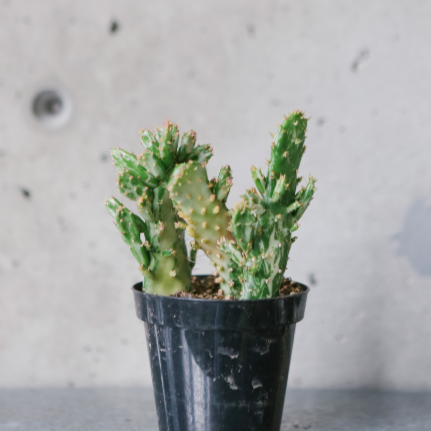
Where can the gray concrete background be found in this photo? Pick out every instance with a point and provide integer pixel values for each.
(229, 70)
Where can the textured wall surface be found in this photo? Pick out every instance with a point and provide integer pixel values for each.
(229, 70)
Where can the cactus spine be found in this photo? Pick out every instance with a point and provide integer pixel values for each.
(161, 254)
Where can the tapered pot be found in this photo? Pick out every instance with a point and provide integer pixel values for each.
(219, 365)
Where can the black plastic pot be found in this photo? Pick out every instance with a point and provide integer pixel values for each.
(219, 365)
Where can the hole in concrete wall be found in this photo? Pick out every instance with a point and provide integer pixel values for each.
(114, 26)
(26, 193)
(360, 60)
(51, 107)
(312, 279)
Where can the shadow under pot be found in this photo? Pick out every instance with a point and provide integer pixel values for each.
(219, 365)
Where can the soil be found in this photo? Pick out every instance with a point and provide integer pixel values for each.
(207, 288)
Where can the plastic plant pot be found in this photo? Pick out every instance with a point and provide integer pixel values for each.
(219, 365)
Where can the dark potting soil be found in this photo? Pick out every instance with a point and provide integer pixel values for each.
(207, 288)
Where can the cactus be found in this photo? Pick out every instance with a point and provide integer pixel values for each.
(162, 254)
(249, 245)
(201, 204)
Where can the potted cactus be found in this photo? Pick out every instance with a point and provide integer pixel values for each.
(219, 345)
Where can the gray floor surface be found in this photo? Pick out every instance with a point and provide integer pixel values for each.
(133, 409)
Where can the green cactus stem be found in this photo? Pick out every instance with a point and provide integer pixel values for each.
(201, 204)
(155, 238)
(262, 224)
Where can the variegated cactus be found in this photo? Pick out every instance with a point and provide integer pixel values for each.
(249, 245)
(156, 238)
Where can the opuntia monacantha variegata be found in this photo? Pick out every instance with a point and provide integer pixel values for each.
(247, 245)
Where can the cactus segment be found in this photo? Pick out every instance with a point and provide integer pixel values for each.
(253, 202)
(130, 186)
(231, 250)
(243, 225)
(280, 187)
(206, 216)
(304, 197)
(167, 138)
(127, 162)
(223, 184)
(152, 164)
(148, 140)
(145, 207)
(130, 227)
(286, 154)
(262, 226)
(188, 142)
(259, 179)
(201, 154)
(168, 249)
(111, 206)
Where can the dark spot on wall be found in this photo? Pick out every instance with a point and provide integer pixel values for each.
(61, 223)
(320, 121)
(275, 102)
(414, 239)
(114, 27)
(341, 129)
(26, 193)
(15, 263)
(360, 60)
(251, 30)
(312, 279)
(104, 157)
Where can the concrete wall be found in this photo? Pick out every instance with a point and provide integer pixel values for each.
(229, 70)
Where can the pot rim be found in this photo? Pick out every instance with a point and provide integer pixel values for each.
(305, 290)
